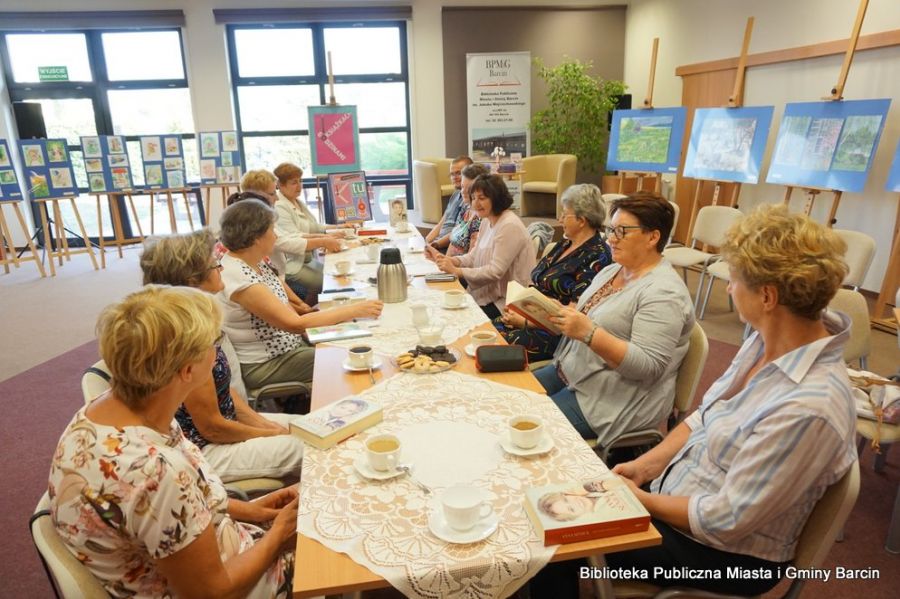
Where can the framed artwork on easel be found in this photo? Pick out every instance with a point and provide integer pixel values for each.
(9, 183)
(333, 139)
(348, 198)
(646, 140)
(727, 144)
(107, 164)
(48, 168)
(220, 157)
(893, 180)
(163, 157)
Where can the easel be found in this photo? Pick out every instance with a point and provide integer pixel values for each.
(60, 249)
(648, 103)
(836, 95)
(6, 240)
(115, 218)
(320, 204)
(889, 286)
(170, 202)
(206, 196)
(735, 101)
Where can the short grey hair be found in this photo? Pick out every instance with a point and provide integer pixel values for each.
(473, 171)
(585, 201)
(244, 222)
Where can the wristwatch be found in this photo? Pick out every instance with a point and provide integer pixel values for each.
(590, 336)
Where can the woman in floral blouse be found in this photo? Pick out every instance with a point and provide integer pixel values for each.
(132, 498)
(465, 232)
(566, 271)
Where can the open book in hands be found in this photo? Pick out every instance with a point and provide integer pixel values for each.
(534, 306)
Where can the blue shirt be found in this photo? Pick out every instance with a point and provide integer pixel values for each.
(757, 461)
(452, 213)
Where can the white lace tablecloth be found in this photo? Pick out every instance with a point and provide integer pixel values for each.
(449, 425)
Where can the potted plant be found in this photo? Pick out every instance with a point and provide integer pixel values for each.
(575, 120)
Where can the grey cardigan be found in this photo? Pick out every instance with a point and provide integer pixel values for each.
(655, 316)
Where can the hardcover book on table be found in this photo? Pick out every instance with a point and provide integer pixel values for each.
(532, 305)
(583, 511)
(336, 332)
(335, 422)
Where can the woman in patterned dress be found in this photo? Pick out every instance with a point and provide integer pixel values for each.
(464, 234)
(133, 499)
(566, 271)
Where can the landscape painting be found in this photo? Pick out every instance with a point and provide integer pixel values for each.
(646, 140)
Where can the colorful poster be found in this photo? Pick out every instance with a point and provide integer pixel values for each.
(827, 145)
(334, 139)
(220, 157)
(727, 144)
(48, 169)
(498, 91)
(348, 198)
(9, 183)
(163, 158)
(647, 140)
(893, 180)
(106, 163)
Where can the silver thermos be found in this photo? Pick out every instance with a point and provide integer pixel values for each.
(391, 277)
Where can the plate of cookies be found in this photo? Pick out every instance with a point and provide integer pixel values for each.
(427, 359)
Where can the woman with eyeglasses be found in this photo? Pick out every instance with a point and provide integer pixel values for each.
(614, 370)
(566, 271)
(238, 442)
(503, 253)
(132, 498)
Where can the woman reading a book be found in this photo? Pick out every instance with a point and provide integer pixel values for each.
(237, 441)
(261, 321)
(734, 483)
(566, 271)
(614, 369)
(136, 501)
(503, 252)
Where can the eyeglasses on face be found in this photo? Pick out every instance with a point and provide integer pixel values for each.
(455, 174)
(219, 339)
(620, 231)
(216, 266)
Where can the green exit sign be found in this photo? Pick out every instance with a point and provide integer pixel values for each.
(53, 73)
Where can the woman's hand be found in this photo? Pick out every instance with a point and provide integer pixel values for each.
(512, 320)
(572, 323)
(331, 244)
(447, 264)
(284, 527)
(368, 309)
(636, 472)
(267, 507)
(431, 253)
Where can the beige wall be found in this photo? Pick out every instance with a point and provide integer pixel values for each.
(697, 30)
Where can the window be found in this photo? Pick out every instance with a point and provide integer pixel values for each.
(115, 82)
(277, 71)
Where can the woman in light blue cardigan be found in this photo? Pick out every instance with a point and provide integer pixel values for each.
(614, 371)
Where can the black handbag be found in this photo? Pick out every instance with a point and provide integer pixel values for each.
(501, 358)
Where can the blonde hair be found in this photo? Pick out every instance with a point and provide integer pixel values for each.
(546, 503)
(152, 334)
(802, 259)
(178, 259)
(259, 180)
(286, 171)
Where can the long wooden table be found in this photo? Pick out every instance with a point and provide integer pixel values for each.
(320, 571)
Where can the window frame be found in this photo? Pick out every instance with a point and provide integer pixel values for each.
(320, 79)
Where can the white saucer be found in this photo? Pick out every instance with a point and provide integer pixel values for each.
(335, 273)
(367, 261)
(376, 364)
(543, 446)
(482, 530)
(470, 350)
(462, 306)
(362, 467)
(416, 250)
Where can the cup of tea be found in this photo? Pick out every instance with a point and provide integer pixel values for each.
(373, 251)
(525, 431)
(383, 452)
(480, 338)
(454, 298)
(464, 507)
(360, 356)
(343, 267)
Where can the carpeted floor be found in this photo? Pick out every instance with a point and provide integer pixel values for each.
(46, 396)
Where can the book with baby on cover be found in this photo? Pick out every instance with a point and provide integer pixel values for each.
(336, 332)
(532, 305)
(331, 424)
(594, 509)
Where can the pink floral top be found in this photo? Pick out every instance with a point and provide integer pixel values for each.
(122, 498)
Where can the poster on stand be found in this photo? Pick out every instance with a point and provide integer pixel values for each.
(827, 145)
(334, 139)
(9, 183)
(727, 144)
(348, 198)
(498, 94)
(646, 140)
(893, 180)
(163, 157)
(106, 163)
(220, 157)
(48, 168)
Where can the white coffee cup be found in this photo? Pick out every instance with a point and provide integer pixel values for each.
(454, 298)
(480, 338)
(402, 226)
(373, 251)
(464, 507)
(360, 356)
(525, 431)
(383, 452)
(431, 334)
(342, 267)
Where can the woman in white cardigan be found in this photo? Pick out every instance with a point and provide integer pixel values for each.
(503, 252)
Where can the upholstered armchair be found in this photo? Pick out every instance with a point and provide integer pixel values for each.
(431, 185)
(544, 179)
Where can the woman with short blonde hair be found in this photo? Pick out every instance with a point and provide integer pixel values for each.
(135, 499)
